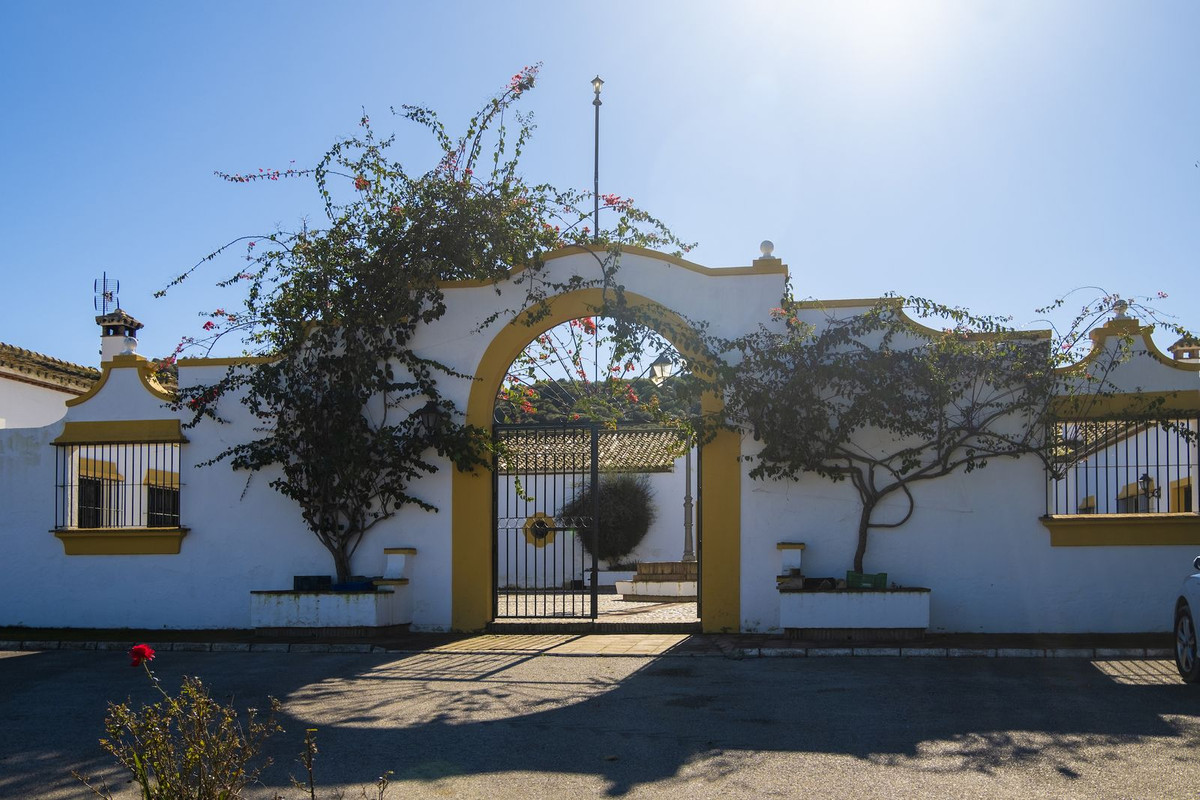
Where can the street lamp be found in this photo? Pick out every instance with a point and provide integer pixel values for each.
(660, 369)
(596, 84)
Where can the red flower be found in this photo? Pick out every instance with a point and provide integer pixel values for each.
(139, 653)
(208, 326)
(361, 183)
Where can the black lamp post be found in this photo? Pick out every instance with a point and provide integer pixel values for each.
(596, 84)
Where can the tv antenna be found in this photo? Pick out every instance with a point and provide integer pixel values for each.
(106, 289)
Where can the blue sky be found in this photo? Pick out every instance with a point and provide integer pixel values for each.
(987, 154)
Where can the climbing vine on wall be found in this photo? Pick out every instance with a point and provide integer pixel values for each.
(348, 411)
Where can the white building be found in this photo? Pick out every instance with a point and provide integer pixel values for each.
(141, 535)
(35, 388)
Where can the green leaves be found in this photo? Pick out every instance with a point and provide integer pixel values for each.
(335, 308)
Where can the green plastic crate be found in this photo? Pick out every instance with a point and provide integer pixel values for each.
(866, 580)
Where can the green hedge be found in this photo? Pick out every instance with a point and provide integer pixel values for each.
(626, 513)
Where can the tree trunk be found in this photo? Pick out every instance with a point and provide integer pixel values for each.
(341, 564)
(864, 526)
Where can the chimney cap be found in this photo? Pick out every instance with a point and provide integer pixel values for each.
(119, 318)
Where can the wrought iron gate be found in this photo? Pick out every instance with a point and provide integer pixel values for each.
(541, 566)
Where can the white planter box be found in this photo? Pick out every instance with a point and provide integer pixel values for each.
(855, 608)
(680, 589)
(388, 606)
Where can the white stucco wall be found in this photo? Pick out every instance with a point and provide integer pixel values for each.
(24, 405)
(975, 540)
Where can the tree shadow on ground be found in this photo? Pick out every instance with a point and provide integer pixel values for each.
(614, 725)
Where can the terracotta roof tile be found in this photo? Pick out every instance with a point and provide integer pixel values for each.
(43, 370)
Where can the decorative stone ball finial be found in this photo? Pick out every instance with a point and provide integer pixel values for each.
(767, 248)
(1120, 307)
(130, 346)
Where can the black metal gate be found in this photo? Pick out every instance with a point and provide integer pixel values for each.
(541, 566)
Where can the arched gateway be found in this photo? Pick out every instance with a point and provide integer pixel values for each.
(668, 290)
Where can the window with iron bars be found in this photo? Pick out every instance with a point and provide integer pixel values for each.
(117, 485)
(1124, 467)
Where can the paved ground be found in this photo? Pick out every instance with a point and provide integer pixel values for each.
(472, 718)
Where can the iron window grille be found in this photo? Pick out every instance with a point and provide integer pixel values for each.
(1124, 467)
(117, 485)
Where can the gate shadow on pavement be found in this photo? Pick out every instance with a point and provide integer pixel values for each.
(443, 721)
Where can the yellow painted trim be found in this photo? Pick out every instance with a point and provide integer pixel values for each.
(145, 374)
(235, 361)
(162, 478)
(1131, 489)
(790, 546)
(96, 468)
(123, 431)
(760, 266)
(1131, 328)
(532, 538)
(472, 581)
(1123, 530)
(1183, 402)
(897, 303)
(399, 551)
(122, 541)
(1180, 490)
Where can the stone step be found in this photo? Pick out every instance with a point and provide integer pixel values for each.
(659, 591)
(689, 569)
(666, 577)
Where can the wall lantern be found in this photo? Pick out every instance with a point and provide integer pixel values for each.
(430, 416)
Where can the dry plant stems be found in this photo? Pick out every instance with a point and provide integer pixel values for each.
(185, 746)
(336, 310)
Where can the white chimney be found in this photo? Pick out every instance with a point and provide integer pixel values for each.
(118, 334)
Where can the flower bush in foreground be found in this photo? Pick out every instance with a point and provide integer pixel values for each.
(186, 746)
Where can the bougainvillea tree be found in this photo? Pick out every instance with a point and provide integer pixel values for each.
(334, 309)
(884, 402)
(584, 370)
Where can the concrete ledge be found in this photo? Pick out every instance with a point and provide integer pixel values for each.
(390, 605)
(855, 608)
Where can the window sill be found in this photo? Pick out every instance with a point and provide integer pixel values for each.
(1134, 530)
(121, 541)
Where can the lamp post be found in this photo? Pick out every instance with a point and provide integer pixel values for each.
(660, 370)
(596, 84)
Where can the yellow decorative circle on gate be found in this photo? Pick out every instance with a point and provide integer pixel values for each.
(539, 529)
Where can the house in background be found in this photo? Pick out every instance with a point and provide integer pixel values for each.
(35, 388)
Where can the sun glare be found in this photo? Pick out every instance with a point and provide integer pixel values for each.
(877, 43)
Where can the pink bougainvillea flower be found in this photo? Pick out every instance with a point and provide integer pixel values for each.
(208, 326)
(140, 653)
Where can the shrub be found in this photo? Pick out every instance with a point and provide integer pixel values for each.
(186, 746)
(626, 512)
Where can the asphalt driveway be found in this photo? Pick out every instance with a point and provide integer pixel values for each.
(492, 725)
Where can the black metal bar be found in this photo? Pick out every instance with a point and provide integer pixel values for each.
(595, 479)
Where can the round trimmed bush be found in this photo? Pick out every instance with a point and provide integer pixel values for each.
(626, 512)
